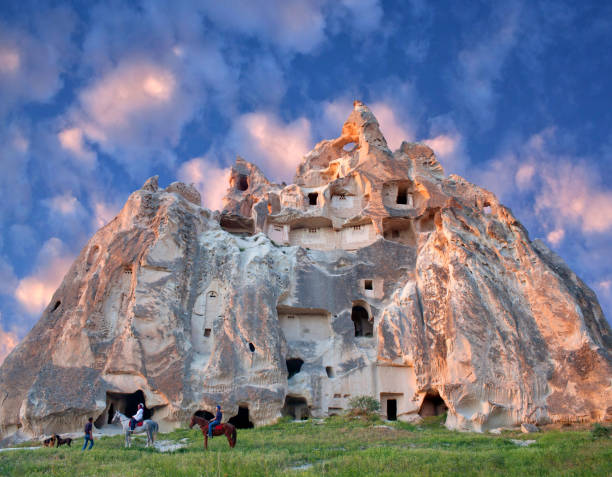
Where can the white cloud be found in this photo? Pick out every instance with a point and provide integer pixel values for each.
(479, 66)
(210, 180)
(296, 25)
(32, 62)
(555, 237)
(275, 146)
(525, 175)
(72, 140)
(128, 93)
(65, 204)
(35, 291)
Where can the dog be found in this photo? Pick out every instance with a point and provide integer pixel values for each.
(50, 442)
(60, 440)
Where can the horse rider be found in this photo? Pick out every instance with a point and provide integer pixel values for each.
(136, 418)
(215, 422)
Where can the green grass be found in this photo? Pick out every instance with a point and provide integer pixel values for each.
(335, 447)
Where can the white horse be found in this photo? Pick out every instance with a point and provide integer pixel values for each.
(149, 426)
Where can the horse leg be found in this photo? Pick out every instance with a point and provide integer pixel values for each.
(206, 441)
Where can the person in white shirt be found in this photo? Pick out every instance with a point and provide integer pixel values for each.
(136, 418)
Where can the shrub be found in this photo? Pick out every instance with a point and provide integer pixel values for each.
(599, 431)
(363, 406)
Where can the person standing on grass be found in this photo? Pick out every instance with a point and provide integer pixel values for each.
(88, 434)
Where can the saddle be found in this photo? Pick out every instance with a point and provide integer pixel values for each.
(139, 423)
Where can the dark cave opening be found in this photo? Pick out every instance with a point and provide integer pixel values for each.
(125, 403)
(294, 365)
(361, 320)
(241, 420)
(296, 407)
(433, 405)
(243, 182)
(205, 414)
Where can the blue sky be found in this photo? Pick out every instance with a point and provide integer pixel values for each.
(96, 97)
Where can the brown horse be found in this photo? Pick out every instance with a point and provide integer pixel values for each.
(226, 429)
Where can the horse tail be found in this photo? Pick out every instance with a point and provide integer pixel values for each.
(234, 436)
(155, 428)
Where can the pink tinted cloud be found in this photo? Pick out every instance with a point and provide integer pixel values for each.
(72, 140)
(8, 340)
(210, 180)
(104, 212)
(564, 192)
(393, 128)
(34, 291)
(274, 145)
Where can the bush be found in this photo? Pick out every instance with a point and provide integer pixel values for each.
(363, 406)
(599, 431)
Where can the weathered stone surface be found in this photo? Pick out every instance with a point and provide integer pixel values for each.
(527, 428)
(372, 274)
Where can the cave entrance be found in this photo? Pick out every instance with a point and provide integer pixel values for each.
(361, 320)
(296, 407)
(125, 403)
(243, 182)
(241, 420)
(392, 409)
(209, 416)
(294, 365)
(433, 405)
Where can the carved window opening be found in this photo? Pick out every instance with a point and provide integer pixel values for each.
(367, 284)
(356, 227)
(392, 409)
(252, 347)
(294, 365)
(342, 197)
(278, 228)
(363, 326)
(402, 195)
(243, 182)
(241, 420)
(56, 306)
(330, 371)
(312, 230)
(207, 332)
(212, 294)
(433, 405)
(312, 198)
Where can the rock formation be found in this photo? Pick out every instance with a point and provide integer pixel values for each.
(373, 273)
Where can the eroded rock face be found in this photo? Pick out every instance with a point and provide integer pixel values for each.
(372, 274)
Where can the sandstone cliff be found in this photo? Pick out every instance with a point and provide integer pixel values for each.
(373, 273)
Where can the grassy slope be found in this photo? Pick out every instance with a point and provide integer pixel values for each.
(337, 447)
